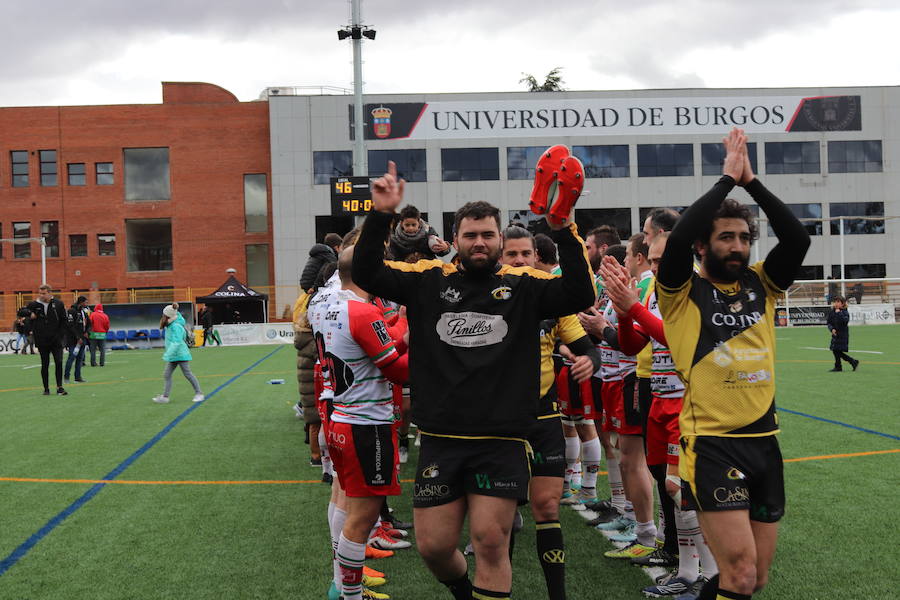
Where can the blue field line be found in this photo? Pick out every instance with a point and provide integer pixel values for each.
(7, 563)
(847, 425)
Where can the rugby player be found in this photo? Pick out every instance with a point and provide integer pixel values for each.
(720, 325)
(548, 459)
(476, 373)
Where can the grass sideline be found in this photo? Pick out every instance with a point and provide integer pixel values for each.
(269, 540)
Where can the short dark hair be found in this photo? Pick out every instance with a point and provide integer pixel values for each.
(515, 232)
(638, 245)
(617, 251)
(546, 249)
(663, 219)
(410, 212)
(731, 209)
(475, 210)
(350, 237)
(332, 240)
(605, 234)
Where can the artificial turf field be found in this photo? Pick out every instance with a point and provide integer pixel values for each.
(224, 504)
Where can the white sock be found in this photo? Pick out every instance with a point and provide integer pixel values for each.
(326, 459)
(688, 557)
(336, 525)
(661, 528)
(616, 489)
(629, 509)
(707, 561)
(646, 533)
(351, 556)
(573, 445)
(591, 454)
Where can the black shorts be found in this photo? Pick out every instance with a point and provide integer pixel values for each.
(645, 399)
(451, 467)
(548, 447)
(631, 400)
(726, 473)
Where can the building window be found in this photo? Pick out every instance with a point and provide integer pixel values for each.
(788, 158)
(337, 163)
(803, 212)
(106, 244)
(589, 218)
(257, 265)
(48, 167)
(665, 160)
(603, 161)
(148, 244)
(50, 233)
(712, 158)
(146, 174)
(22, 230)
(470, 164)
(857, 209)
(339, 224)
(521, 160)
(104, 173)
(447, 219)
(868, 271)
(19, 160)
(256, 203)
(78, 244)
(410, 163)
(77, 175)
(810, 273)
(863, 156)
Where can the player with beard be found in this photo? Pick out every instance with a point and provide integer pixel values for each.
(476, 371)
(548, 461)
(720, 327)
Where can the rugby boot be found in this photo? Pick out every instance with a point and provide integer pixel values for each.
(546, 174)
(569, 187)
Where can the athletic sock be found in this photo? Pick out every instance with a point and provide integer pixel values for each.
(667, 526)
(481, 594)
(709, 589)
(616, 489)
(351, 556)
(385, 511)
(552, 556)
(336, 525)
(726, 595)
(461, 588)
(629, 510)
(646, 533)
(688, 557)
(591, 454)
(707, 560)
(573, 445)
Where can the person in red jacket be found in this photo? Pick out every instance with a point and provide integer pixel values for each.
(99, 328)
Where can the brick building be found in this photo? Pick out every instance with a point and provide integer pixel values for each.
(136, 196)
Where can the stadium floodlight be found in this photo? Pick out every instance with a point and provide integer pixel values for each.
(369, 33)
(343, 34)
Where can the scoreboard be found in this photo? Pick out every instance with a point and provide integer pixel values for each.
(350, 196)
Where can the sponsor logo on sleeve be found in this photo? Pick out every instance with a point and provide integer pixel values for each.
(381, 331)
(471, 329)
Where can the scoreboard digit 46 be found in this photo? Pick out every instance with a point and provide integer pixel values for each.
(351, 195)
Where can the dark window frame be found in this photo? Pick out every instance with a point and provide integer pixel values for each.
(604, 161)
(51, 239)
(48, 169)
(72, 174)
(20, 175)
(404, 158)
(838, 151)
(102, 177)
(21, 249)
(135, 191)
(138, 256)
(100, 243)
(663, 165)
(83, 240)
(248, 200)
(857, 226)
(466, 159)
(777, 165)
(324, 170)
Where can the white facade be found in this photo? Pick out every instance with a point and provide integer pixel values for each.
(302, 125)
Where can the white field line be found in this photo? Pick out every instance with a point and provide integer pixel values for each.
(855, 351)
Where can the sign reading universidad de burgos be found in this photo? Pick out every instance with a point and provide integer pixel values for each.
(613, 116)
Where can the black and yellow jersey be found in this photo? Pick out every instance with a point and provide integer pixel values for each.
(722, 338)
(566, 329)
(475, 359)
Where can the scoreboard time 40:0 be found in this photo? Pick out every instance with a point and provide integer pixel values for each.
(351, 195)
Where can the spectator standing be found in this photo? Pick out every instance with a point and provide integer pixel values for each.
(413, 235)
(99, 327)
(78, 325)
(21, 335)
(838, 320)
(176, 353)
(48, 321)
(206, 321)
(319, 256)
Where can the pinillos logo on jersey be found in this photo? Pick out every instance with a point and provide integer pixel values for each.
(471, 329)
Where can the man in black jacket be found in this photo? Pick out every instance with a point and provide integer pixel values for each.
(48, 320)
(319, 256)
(76, 340)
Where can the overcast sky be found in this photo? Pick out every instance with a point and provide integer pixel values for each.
(61, 52)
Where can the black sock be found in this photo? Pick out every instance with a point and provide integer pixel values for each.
(385, 511)
(668, 508)
(552, 556)
(461, 588)
(710, 588)
(732, 595)
(480, 594)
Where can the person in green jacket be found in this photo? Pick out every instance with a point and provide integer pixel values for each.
(176, 353)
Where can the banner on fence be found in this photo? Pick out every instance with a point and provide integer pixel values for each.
(860, 314)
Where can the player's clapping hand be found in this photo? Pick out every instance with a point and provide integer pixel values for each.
(735, 154)
(620, 286)
(387, 191)
(593, 321)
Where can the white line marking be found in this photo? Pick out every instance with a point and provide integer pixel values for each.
(31, 367)
(854, 350)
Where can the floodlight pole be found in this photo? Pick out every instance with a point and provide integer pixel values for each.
(843, 283)
(360, 160)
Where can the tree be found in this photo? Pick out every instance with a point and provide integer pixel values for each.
(552, 82)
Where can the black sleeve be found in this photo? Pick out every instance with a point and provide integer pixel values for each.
(369, 271)
(677, 263)
(583, 346)
(611, 337)
(574, 291)
(784, 260)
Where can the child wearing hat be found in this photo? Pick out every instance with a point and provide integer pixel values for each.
(176, 353)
